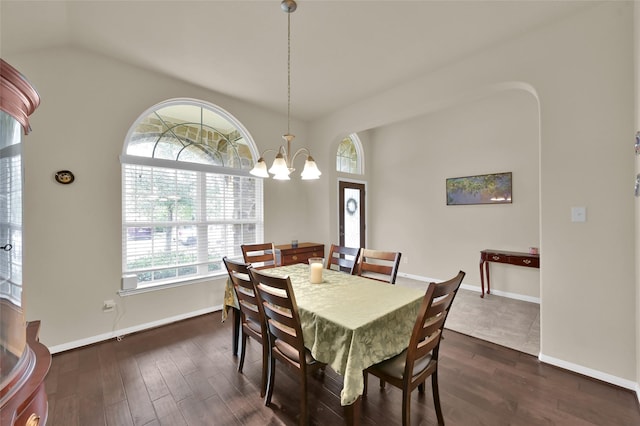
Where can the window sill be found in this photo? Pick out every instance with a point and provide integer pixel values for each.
(155, 287)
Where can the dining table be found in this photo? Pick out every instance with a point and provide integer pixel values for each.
(348, 322)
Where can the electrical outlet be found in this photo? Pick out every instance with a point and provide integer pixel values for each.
(108, 306)
(405, 260)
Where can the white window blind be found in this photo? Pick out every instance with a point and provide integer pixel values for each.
(11, 224)
(178, 224)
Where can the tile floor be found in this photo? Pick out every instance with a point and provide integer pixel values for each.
(504, 321)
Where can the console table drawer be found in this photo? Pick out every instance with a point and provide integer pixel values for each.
(525, 261)
(494, 257)
(302, 257)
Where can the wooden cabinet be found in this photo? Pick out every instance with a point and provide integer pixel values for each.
(288, 255)
(24, 361)
(500, 256)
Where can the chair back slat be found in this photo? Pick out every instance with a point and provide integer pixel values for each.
(426, 346)
(431, 325)
(379, 265)
(441, 304)
(343, 258)
(446, 287)
(277, 314)
(260, 256)
(284, 333)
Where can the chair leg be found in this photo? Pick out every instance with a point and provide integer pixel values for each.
(436, 397)
(365, 379)
(236, 331)
(265, 368)
(272, 377)
(304, 415)
(406, 406)
(243, 350)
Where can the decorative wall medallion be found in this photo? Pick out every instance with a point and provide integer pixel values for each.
(64, 177)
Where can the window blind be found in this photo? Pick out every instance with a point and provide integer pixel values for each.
(178, 224)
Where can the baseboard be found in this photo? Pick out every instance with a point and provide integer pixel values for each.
(418, 277)
(124, 331)
(585, 371)
(476, 289)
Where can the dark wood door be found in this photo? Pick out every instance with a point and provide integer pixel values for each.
(351, 205)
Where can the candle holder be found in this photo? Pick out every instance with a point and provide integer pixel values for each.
(316, 265)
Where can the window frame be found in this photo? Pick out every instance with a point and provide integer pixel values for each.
(130, 284)
(357, 144)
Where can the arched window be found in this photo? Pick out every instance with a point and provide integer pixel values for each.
(187, 196)
(349, 155)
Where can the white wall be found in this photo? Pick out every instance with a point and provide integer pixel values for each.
(73, 232)
(581, 71)
(408, 210)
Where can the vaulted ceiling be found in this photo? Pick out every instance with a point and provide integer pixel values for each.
(342, 51)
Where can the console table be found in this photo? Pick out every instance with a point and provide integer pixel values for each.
(289, 255)
(501, 256)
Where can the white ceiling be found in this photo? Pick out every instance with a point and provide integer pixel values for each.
(342, 51)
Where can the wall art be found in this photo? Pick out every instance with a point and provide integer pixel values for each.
(494, 188)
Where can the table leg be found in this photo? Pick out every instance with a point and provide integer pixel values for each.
(235, 335)
(352, 412)
(481, 276)
(488, 279)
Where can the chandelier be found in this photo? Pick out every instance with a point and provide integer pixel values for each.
(282, 165)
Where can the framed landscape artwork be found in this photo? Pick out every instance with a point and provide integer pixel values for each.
(494, 188)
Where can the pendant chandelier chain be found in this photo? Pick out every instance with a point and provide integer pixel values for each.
(288, 73)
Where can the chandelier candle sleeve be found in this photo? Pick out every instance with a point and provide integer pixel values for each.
(316, 265)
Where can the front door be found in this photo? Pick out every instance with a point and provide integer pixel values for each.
(351, 207)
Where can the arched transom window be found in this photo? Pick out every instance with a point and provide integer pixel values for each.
(187, 196)
(349, 155)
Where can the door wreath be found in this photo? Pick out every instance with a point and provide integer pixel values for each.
(352, 206)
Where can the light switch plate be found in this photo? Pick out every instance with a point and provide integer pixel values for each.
(578, 214)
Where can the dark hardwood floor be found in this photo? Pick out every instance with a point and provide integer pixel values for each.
(184, 374)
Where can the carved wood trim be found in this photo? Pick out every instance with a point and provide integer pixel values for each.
(18, 98)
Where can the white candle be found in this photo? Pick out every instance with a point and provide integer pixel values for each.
(315, 275)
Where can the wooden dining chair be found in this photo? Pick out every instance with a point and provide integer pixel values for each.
(285, 333)
(260, 256)
(379, 265)
(252, 321)
(343, 258)
(411, 368)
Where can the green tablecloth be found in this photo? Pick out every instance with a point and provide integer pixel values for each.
(350, 322)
